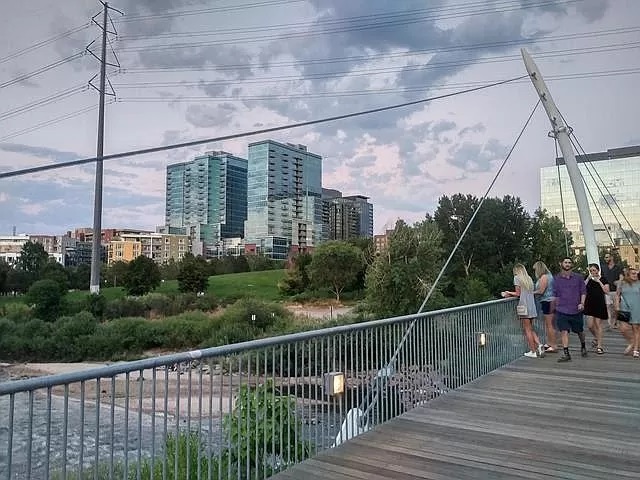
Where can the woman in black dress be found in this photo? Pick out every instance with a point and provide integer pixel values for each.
(595, 305)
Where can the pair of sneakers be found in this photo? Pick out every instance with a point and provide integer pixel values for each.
(539, 353)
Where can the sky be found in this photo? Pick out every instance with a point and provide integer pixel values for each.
(195, 69)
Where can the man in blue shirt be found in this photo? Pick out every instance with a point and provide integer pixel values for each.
(569, 294)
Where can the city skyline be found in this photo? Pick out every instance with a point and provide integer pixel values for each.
(403, 160)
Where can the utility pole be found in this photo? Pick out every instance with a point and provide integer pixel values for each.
(560, 131)
(96, 246)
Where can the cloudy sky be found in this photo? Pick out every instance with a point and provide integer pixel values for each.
(192, 69)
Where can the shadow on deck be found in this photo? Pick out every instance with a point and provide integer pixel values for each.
(534, 418)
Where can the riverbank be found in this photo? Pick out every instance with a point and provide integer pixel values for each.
(174, 393)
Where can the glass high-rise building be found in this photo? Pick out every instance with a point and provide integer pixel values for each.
(208, 195)
(346, 217)
(284, 202)
(612, 181)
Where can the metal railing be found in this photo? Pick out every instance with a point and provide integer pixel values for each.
(246, 410)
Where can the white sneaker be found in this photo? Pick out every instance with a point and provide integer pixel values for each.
(531, 355)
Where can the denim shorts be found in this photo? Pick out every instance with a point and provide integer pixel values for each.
(570, 322)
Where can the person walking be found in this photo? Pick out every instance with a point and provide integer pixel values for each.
(612, 272)
(569, 292)
(628, 310)
(544, 288)
(526, 309)
(595, 305)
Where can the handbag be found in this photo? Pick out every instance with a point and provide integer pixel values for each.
(522, 311)
(623, 315)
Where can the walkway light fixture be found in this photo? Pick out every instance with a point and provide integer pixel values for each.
(334, 383)
(482, 339)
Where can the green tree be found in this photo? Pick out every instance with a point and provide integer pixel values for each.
(400, 277)
(5, 268)
(52, 270)
(18, 281)
(547, 239)
(79, 277)
(296, 279)
(47, 298)
(142, 276)
(335, 265)
(169, 270)
(32, 261)
(113, 275)
(193, 274)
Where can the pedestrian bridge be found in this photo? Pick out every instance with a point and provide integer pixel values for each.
(440, 395)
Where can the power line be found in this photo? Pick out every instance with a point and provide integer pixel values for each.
(46, 123)
(185, 13)
(56, 97)
(46, 68)
(313, 23)
(372, 91)
(385, 70)
(193, 143)
(386, 56)
(42, 43)
(287, 36)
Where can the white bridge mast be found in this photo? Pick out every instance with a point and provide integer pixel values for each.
(561, 132)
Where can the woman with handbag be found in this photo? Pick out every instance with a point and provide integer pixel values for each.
(628, 308)
(595, 305)
(526, 309)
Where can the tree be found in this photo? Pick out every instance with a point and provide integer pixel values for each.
(79, 277)
(400, 277)
(114, 274)
(296, 279)
(193, 274)
(170, 269)
(547, 239)
(47, 298)
(52, 270)
(5, 268)
(32, 261)
(335, 265)
(142, 276)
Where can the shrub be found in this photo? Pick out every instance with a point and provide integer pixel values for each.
(46, 296)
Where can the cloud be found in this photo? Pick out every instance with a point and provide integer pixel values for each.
(206, 116)
(57, 156)
(473, 157)
(4, 197)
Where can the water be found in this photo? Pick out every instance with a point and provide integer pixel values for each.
(136, 437)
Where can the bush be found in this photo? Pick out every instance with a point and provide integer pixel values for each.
(15, 311)
(47, 298)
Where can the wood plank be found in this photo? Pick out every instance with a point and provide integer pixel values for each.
(534, 418)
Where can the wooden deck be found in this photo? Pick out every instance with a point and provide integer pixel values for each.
(535, 419)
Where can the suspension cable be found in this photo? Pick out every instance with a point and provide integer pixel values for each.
(411, 326)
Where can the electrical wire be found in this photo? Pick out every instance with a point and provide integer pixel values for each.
(388, 56)
(384, 70)
(193, 143)
(352, 21)
(564, 219)
(45, 42)
(356, 93)
(288, 36)
(202, 11)
(51, 121)
(56, 97)
(41, 70)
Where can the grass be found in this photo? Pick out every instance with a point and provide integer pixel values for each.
(261, 285)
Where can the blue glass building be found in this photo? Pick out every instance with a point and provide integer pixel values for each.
(208, 195)
(284, 202)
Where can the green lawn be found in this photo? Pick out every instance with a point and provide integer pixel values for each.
(262, 285)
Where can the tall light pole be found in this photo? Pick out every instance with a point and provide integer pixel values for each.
(561, 132)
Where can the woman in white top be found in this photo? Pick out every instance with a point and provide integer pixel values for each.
(526, 309)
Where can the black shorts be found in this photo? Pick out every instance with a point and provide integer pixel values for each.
(546, 307)
(567, 322)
